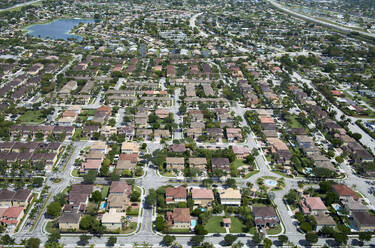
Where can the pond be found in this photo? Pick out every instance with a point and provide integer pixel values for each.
(58, 29)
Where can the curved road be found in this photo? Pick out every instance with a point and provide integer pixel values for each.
(312, 19)
(20, 5)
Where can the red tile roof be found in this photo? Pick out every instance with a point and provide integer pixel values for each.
(343, 190)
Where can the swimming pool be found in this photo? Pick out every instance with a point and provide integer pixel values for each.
(103, 205)
(193, 223)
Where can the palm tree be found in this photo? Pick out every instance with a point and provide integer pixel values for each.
(146, 245)
(124, 221)
(135, 244)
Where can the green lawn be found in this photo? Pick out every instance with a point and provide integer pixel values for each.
(31, 117)
(237, 226)
(88, 112)
(179, 230)
(293, 122)
(237, 163)
(131, 228)
(167, 174)
(105, 191)
(259, 205)
(50, 227)
(252, 173)
(214, 225)
(75, 173)
(275, 230)
(132, 212)
(77, 134)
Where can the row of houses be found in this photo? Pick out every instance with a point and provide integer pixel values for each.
(13, 205)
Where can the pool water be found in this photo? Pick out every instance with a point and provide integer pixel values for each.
(193, 223)
(270, 182)
(103, 205)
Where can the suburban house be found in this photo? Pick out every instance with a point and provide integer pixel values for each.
(162, 134)
(222, 164)
(99, 146)
(215, 134)
(345, 193)
(363, 221)
(199, 163)
(312, 205)
(175, 194)
(196, 115)
(91, 164)
(11, 216)
(352, 205)
(113, 220)
(119, 196)
(280, 149)
(194, 133)
(230, 196)
(241, 151)
(175, 163)
(80, 193)
(179, 218)
(19, 198)
(129, 148)
(177, 148)
(162, 113)
(265, 217)
(69, 221)
(202, 196)
(234, 134)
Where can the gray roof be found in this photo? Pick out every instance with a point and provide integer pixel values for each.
(69, 218)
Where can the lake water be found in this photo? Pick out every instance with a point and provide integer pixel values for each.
(58, 29)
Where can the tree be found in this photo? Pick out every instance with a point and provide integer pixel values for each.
(231, 183)
(54, 237)
(54, 209)
(340, 238)
(311, 237)
(135, 195)
(364, 236)
(339, 159)
(112, 240)
(229, 239)
(283, 239)
(325, 186)
(199, 230)
(357, 136)
(258, 238)
(96, 196)
(151, 198)
(306, 227)
(197, 240)
(160, 224)
(168, 239)
(33, 243)
(292, 197)
(239, 244)
(90, 177)
(267, 243)
(207, 245)
(331, 197)
(84, 239)
(7, 240)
